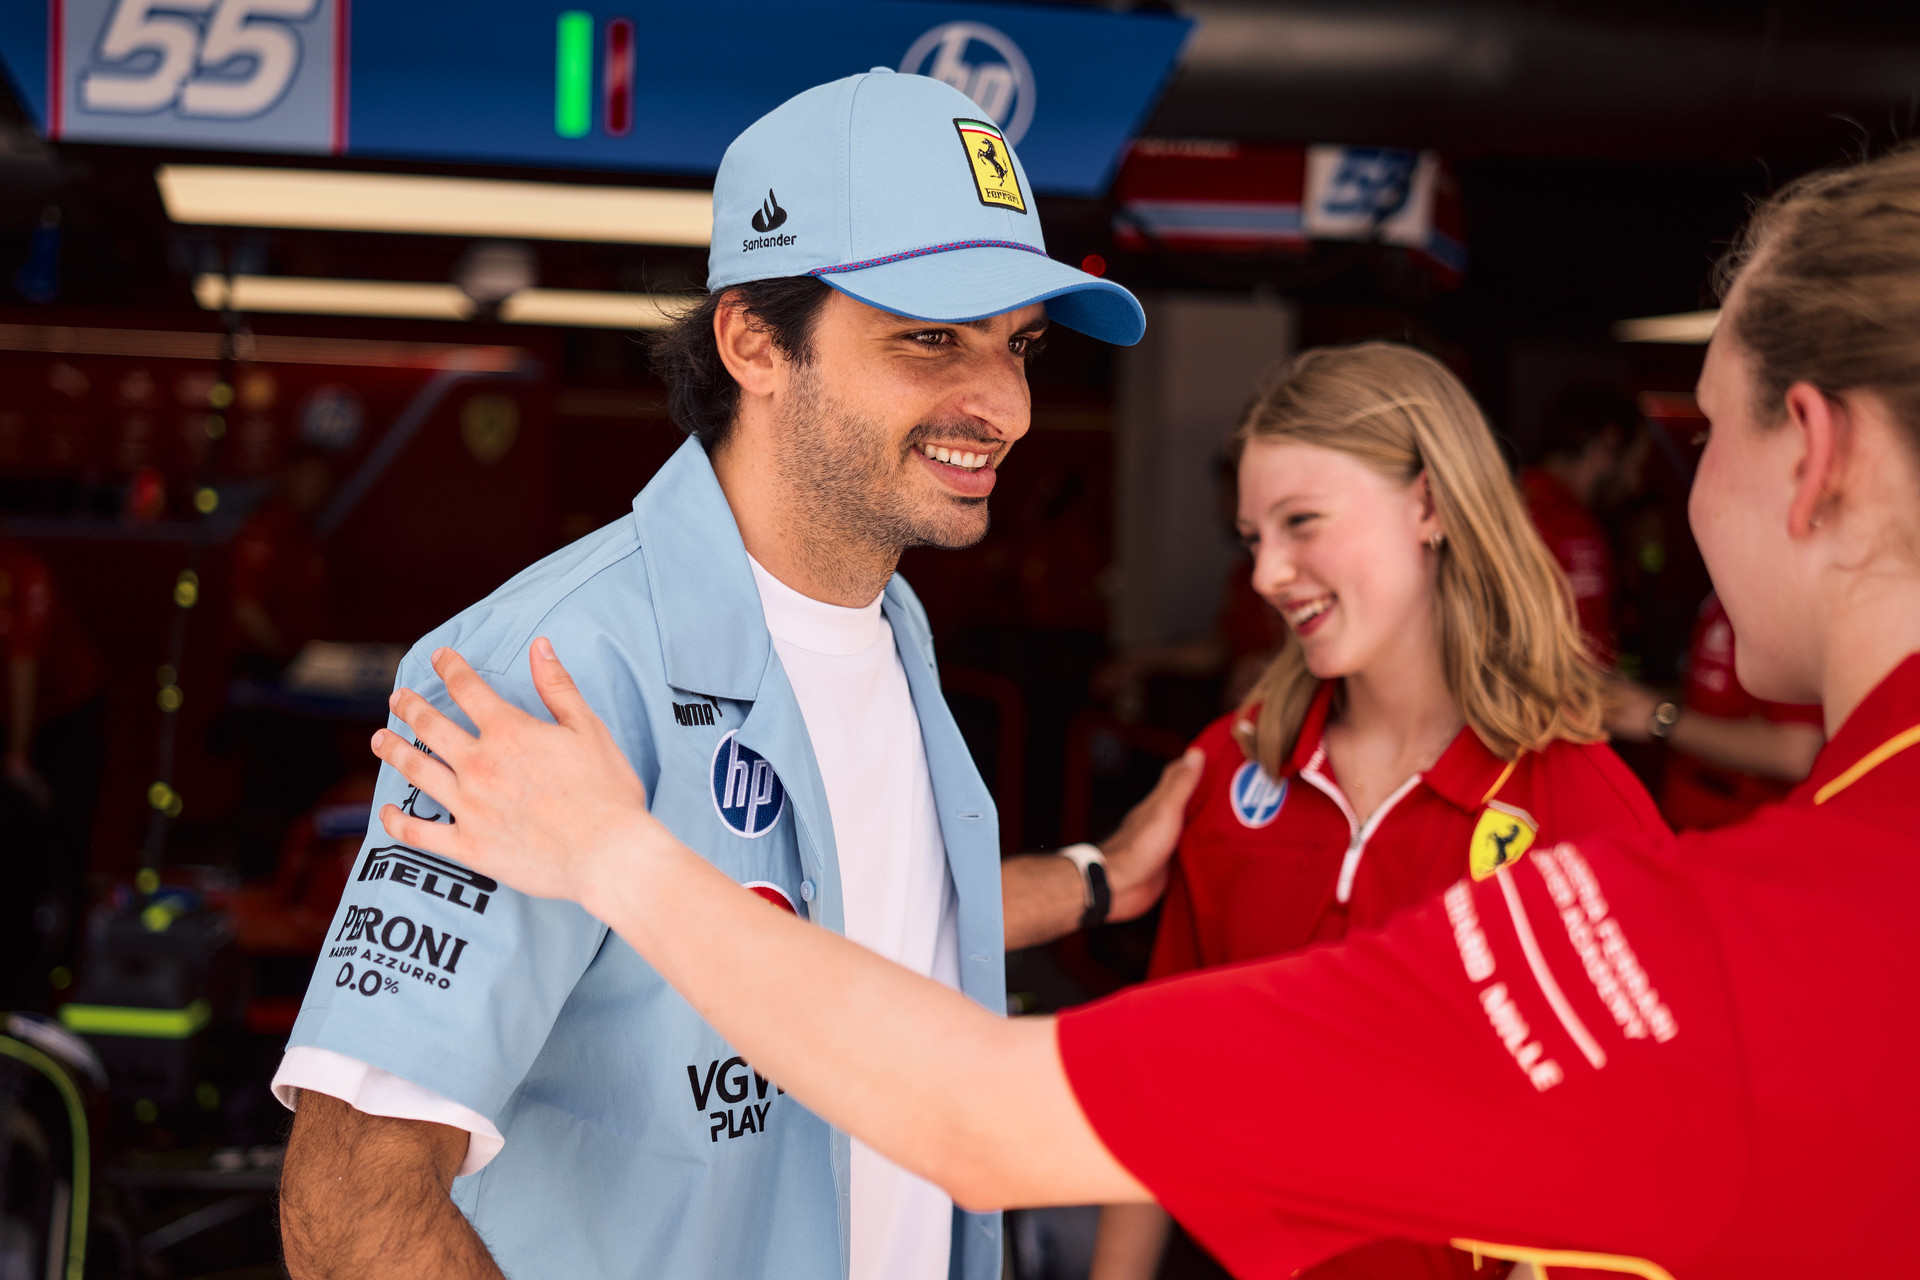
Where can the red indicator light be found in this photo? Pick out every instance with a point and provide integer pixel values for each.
(619, 76)
(1094, 265)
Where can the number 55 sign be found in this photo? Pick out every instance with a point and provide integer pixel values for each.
(241, 74)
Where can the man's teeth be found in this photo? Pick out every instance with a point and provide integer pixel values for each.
(1298, 615)
(955, 458)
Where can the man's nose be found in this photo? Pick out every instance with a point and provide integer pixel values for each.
(996, 395)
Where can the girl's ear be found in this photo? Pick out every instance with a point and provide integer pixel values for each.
(1429, 510)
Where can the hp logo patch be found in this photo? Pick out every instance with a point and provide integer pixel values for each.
(1256, 797)
(983, 64)
(747, 794)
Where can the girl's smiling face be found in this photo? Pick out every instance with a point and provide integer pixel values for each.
(1340, 550)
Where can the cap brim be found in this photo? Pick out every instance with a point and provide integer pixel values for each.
(971, 284)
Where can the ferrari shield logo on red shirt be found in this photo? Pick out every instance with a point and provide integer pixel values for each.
(1502, 836)
(1256, 798)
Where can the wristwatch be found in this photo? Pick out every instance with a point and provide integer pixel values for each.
(1093, 876)
(1665, 716)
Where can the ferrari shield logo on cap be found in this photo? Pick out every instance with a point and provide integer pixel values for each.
(1502, 836)
(991, 161)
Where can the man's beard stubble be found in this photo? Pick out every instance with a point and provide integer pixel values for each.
(851, 491)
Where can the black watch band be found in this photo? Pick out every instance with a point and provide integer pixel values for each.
(1099, 896)
(1095, 889)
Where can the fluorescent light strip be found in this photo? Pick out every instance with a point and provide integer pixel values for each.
(590, 310)
(173, 344)
(310, 296)
(1693, 327)
(331, 200)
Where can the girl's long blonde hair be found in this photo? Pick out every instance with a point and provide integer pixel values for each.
(1515, 661)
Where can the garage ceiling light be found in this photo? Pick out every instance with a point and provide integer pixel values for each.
(591, 310)
(310, 296)
(1687, 327)
(313, 296)
(330, 200)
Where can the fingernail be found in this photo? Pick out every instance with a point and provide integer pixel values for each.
(393, 700)
(1194, 755)
(544, 646)
(438, 654)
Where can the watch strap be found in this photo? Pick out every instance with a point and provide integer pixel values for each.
(1092, 865)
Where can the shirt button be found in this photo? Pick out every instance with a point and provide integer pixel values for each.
(806, 891)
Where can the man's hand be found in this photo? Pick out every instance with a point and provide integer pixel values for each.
(1630, 708)
(1042, 896)
(547, 808)
(364, 1196)
(1137, 854)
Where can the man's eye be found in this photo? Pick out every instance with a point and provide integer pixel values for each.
(1027, 347)
(931, 337)
(1301, 519)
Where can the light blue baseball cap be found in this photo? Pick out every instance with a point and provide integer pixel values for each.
(897, 191)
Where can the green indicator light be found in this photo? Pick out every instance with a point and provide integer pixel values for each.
(573, 76)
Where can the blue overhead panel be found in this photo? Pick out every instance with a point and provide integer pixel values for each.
(655, 87)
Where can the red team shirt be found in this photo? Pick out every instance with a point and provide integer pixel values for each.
(1580, 546)
(36, 623)
(1693, 1055)
(1698, 795)
(1267, 867)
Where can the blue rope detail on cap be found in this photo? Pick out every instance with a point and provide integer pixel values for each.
(921, 253)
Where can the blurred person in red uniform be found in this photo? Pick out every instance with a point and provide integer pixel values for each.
(1732, 752)
(1593, 453)
(54, 751)
(278, 603)
(280, 571)
(1653, 1056)
(1432, 713)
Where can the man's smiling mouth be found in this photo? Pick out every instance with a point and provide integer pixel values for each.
(956, 457)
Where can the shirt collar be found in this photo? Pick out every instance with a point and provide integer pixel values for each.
(1882, 716)
(713, 633)
(1463, 776)
(1467, 772)
(1313, 728)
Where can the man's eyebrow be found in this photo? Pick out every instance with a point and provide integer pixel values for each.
(985, 325)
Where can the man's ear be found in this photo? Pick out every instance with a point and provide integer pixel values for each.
(1825, 430)
(746, 348)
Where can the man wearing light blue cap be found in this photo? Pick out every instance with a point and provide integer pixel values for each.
(488, 1082)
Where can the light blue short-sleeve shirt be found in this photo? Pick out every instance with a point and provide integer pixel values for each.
(638, 1142)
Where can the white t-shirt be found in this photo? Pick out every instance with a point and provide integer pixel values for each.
(852, 690)
(899, 899)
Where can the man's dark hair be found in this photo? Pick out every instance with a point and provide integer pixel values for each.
(702, 396)
(1580, 413)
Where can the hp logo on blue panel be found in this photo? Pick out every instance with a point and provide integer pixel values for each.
(747, 794)
(1256, 797)
(982, 63)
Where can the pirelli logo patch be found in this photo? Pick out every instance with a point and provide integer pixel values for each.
(990, 160)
